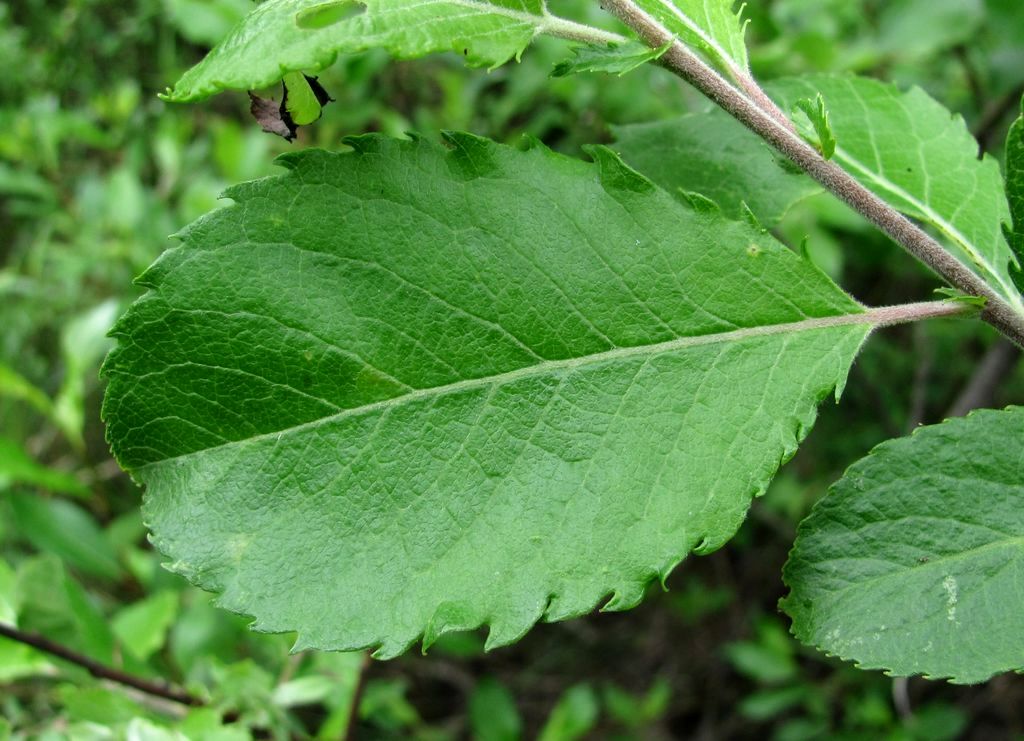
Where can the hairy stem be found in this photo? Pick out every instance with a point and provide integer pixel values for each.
(764, 121)
(96, 669)
(563, 28)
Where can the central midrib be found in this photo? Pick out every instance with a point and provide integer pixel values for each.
(873, 317)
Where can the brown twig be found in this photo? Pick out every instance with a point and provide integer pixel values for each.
(98, 670)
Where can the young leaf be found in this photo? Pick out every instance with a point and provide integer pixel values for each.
(406, 391)
(612, 58)
(709, 26)
(304, 98)
(713, 154)
(281, 36)
(909, 150)
(824, 140)
(912, 562)
(302, 102)
(1015, 193)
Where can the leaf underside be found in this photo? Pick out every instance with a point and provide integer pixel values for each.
(713, 154)
(709, 26)
(613, 59)
(281, 36)
(409, 390)
(911, 151)
(914, 561)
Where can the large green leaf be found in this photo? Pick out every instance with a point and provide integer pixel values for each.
(713, 154)
(1015, 192)
(709, 26)
(281, 36)
(408, 390)
(914, 560)
(911, 151)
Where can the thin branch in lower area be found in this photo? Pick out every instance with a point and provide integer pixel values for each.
(98, 670)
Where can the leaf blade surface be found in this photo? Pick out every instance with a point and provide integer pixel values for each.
(405, 390)
(281, 36)
(912, 562)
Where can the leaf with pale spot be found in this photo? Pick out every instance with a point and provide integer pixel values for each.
(914, 561)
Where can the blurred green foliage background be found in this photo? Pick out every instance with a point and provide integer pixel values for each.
(96, 172)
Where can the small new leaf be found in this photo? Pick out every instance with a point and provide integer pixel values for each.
(951, 294)
(823, 140)
(302, 102)
(611, 58)
(913, 562)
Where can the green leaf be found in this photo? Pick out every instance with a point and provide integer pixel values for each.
(714, 155)
(142, 626)
(64, 529)
(282, 36)
(15, 386)
(612, 58)
(205, 22)
(406, 391)
(493, 715)
(574, 716)
(55, 605)
(84, 342)
(18, 467)
(1015, 192)
(302, 103)
(824, 140)
(709, 26)
(97, 705)
(911, 151)
(913, 561)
